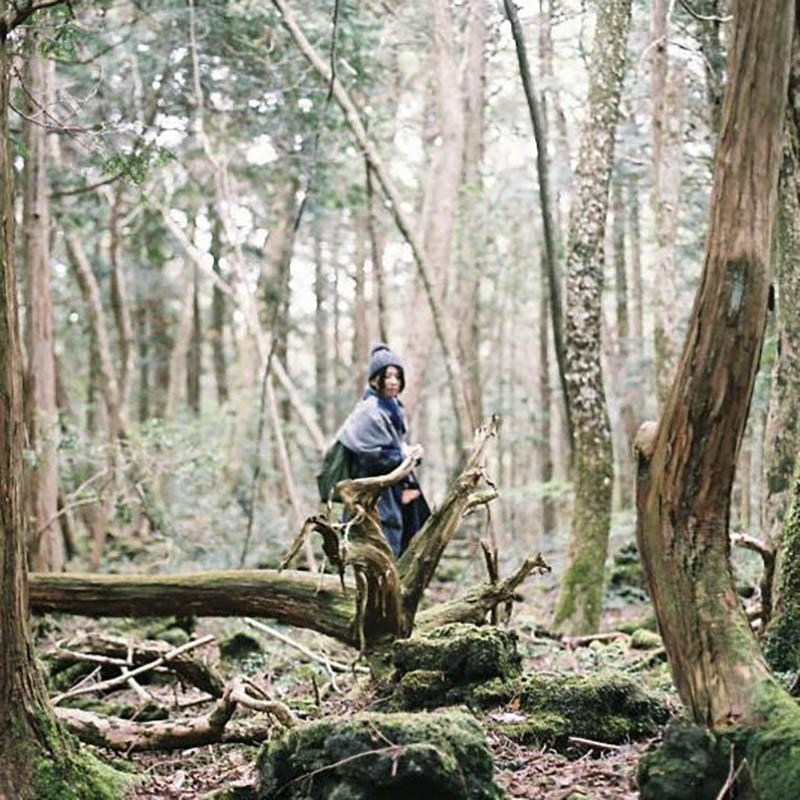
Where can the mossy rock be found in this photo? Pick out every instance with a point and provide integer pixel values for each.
(642, 639)
(389, 756)
(690, 764)
(539, 730)
(463, 652)
(607, 706)
(240, 645)
(421, 688)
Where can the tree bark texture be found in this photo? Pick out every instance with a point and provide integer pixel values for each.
(781, 504)
(580, 597)
(620, 362)
(27, 727)
(216, 332)
(45, 540)
(782, 438)
(119, 300)
(472, 231)
(441, 201)
(194, 358)
(687, 463)
(667, 138)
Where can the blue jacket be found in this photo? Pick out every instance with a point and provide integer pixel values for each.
(374, 434)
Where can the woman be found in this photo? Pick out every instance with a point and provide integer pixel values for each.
(374, 438)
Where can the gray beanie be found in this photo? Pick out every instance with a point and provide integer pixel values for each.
(382, 356)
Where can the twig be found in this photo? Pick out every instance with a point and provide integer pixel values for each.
(732, 775)
(592, 743)
(703, 17)
(580, 641)
(282, 637)
(112, 682)
(71, 655)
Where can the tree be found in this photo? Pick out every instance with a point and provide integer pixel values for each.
(33, 749)
(687, 462)
(781, 504)
(667, 134)
(579, 603)
(46, 546)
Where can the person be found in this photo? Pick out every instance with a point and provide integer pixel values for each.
(374, 438)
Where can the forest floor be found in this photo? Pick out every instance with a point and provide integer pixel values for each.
(600, 771)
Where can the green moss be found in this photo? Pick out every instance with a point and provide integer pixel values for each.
(642, 639)
(607, 706)
(80, 777)
(539, 730)
(463, 652)
(420, 688)
(391, 756)
(782, 637)
(690, 764)
(496, 692)
(773, 748)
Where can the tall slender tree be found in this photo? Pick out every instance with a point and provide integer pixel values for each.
(46, 545)
(580, 597)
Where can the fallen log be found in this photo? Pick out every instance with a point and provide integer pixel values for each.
(292, 597)
(378, 605)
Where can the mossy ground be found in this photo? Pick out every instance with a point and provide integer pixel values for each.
(392, 756)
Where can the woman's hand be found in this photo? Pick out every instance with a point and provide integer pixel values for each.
(416, 453)
(409, 496)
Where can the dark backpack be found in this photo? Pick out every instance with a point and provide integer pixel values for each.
(335, 468)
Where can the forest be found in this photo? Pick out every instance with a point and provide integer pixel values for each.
(565, 233)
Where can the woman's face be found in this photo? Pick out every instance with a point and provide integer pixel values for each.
(391, 382)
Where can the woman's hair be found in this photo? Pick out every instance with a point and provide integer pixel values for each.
(378, 381)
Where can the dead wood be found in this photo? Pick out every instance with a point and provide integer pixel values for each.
(111, 683)
(378, 604)
(128, 736)
(116, 650)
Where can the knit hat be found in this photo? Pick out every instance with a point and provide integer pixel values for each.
(382, 356)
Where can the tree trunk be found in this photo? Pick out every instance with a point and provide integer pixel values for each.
(178, 358)
(782, 438)
(119, 301)
(87, 282)
(580, 597)
(625, 426)
(359, 356)
(472, 242)
(217, 328)
(45, 543)
(322, 392)
(667, 134)
(637, 292)
(781, 503)
(194, 358)
(376, 250)
(687, 462)
(382, 600)
(439, 209)
(545, 394)
(546, 204)
(31, 744)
